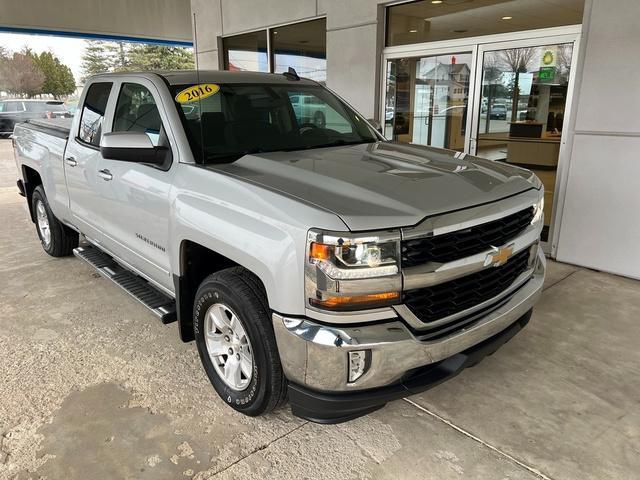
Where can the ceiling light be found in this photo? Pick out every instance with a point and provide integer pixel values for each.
(436, 2)
(413, 31)
(507, 18)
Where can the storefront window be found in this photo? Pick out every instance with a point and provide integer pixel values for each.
(522, 109)
(247, 52)
(430, 21)
(427, 99)
(302, 46)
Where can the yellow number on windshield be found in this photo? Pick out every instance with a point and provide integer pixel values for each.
(197, 92)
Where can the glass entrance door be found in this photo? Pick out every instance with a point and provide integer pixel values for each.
(521, 109)
(427, 99)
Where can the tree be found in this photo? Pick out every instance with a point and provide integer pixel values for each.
(119, 56)
(59, 80)
(20, 75)
(95, 59)
(517, 60)
(160, 57)
(100, 57)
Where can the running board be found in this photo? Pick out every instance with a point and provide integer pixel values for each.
(160, 304)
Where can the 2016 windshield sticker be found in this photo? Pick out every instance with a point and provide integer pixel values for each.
(197, 92)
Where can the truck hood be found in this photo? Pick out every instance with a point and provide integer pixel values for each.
(382, 185)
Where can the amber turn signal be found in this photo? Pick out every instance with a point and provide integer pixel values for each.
(356, 302)
(319, 251)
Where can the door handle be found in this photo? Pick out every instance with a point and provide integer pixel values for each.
(105, 175)
(72, 162)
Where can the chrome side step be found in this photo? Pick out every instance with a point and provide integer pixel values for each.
(160, 304)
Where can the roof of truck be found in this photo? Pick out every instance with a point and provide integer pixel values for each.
(189, 77)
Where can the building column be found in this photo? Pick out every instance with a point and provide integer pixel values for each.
(206, 30)
(354, 46)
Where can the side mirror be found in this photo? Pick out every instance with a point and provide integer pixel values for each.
(375, 124)
(132, 147)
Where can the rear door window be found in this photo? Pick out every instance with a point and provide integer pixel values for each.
(93, 110)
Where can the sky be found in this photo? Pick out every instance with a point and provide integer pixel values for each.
(68, 50)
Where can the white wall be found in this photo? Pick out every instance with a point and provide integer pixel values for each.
(600, 226)
(153, 19)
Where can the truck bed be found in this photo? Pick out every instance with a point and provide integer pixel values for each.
(58, 127)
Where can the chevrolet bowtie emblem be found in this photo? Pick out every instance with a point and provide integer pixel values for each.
(499, 256)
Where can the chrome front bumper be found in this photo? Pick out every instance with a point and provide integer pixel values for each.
(315, 355)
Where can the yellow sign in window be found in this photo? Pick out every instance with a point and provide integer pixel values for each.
(197, 92)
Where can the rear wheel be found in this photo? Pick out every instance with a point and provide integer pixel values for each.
(57, 239)
(236, 342)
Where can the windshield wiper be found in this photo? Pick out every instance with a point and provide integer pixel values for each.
(231, 156)
(336, 143)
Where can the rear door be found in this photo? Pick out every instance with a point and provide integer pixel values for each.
(134, 205)
(82, 155)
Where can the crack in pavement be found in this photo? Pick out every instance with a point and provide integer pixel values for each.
(259, 449)
(461, 430)
(561, 280)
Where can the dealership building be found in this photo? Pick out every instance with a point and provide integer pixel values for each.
(549, 85)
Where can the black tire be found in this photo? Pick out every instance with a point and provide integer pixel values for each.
(62, 239)
(240, 291)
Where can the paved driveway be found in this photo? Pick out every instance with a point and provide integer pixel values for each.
(94, 387)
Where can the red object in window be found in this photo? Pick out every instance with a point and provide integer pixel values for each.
(453, 60)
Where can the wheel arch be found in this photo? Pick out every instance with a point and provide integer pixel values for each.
(196, 263)
(31, 179)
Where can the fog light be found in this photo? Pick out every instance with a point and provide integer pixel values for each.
(359, 361)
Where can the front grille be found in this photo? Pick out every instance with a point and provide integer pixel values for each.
(433, 303)
(464, 243)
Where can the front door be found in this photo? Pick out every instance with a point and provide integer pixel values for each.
(521, 105)
(427, 99)
(134, 205)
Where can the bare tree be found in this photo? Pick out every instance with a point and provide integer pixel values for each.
(20, 75)
(517, 61)
(563, 56)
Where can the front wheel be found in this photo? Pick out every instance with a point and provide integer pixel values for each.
(236, 342)
(57, 239)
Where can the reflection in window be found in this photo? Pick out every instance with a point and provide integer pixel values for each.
(522, 108)
(302, 46)
(95, 104)
(247, 52)
(427, 98)
(312, 112)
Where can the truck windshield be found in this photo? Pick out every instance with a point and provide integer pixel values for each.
(239, 119)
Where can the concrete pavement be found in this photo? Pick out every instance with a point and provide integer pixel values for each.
(93, 386)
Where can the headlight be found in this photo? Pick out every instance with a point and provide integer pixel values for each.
(345, 271)
(538, 210)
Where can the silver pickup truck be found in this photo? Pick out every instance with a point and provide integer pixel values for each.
(317, 262)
